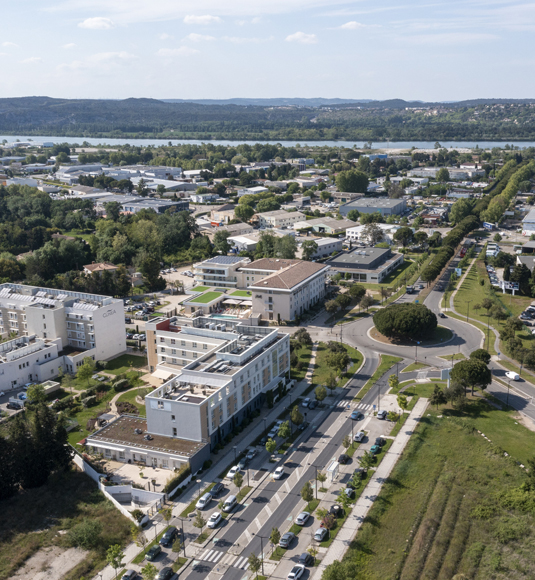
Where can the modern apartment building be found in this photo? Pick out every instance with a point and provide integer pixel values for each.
(234, 368)
(86, 324)
(220, 271)
(326, 246)
(368, 264)
(382, 205)
(291, 291)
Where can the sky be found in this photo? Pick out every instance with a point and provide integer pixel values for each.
(440, 50)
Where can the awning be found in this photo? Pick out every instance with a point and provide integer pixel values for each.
(247, 303)
(164, 375)
(231, 301)
(97, 443)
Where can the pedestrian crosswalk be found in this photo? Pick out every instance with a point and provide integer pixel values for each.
(225, 558)
(354, 405)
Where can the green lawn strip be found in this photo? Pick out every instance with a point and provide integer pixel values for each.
(201, 288)
(456, 356)
(422, 522)
(201, 538)
(243, 492)
(352, 316)
(516, 368)
(322, 370)
(482, 327)
(191, 507)
(304, 354)
(352, 448)
(379, 457)
(125, 363)
(141, 556)
(400, 386)
(311, 506)
(295, 529)
(414, 367)
(241, 293)
(130, 397)
(399, 425)
(277, 554)
(180, 561)
(205, 298)
(387, 362)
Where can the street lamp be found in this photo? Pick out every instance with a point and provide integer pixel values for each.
(183, 536)
(199, 481)
(316, 478)
(467, 308)
(265, 420)
(235, 454)
(261, 548)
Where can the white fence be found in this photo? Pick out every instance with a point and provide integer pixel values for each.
(86, 468)
(180, 485)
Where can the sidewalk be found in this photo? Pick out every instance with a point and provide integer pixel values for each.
(350, 528)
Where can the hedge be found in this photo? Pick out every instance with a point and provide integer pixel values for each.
(176, 480)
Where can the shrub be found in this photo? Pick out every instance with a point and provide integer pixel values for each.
(121, 385)
(89, 401)
(207, 464)
(175, 480)
(86, 534)
(124, 407)
(406, 320)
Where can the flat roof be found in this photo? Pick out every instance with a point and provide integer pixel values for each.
(359, 257)
(374, 202)
(122, 432)
(205, 297)
(223, 260)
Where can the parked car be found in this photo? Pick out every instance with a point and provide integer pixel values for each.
(306, 402)
(286, 540)
(153, 553)
(313, 404)
(278, 473)
(512, 375)
(296, 572)
(302, 518)
(233, 471)
(381, 415)
(375, 449)
(380, 441)
(204, 501)
(217, 489)
(165, 573)
(13, 406)
(343, 459)
(303, 426)
(214, 520)
(242, 463)
(169, 537)
(251, 453)
(357, 415)
(306, 559)
(336, 510)
(230, 503)
(129, 575)
(349, 492)
(359, 436)
(442, 315)
(321, 534)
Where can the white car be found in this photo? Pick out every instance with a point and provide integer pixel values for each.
(233, 471)
(214, 520)
(296, 572)
(278, 473)
(512, 375)
(305, 402)
(204, 501)
(359, 436)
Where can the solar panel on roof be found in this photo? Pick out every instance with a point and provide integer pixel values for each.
(41, 293)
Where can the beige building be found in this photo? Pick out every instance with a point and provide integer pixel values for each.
(222, 215)
(289, 292)
(280, 218)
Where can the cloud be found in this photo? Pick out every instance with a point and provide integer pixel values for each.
(353, 25)
(194, 37)
(450, 39)
(242, 40)
(181, 51)
(302, 38)
(206, 19)
(101, 61)
(69, 45)
(164, 36)
(97, 23)
(32, 60)
(255, 20)
(6, 44)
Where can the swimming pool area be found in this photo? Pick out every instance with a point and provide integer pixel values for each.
(224, 316)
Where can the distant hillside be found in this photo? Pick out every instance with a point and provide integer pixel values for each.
(274, 119)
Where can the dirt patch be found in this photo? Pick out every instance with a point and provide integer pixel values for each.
(526, 421)
(50, 564)
(440, 333)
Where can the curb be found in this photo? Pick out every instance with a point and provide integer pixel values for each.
(454, 335)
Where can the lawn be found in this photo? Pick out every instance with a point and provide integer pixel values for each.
(387, 362)
(456, 356)
(443, 511)
(205, 298)
(33, 519)
(303, 355)
(130, 397)
(201, 288)
(322, 369)
(125, 363)
(242, 293)
(414, 367)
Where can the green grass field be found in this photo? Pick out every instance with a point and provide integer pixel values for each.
(303, 354)
(205, 298)
(456, 356)
(201, 288)
(414, 367)
(322, 369)
(241, 293)
(130, 397)
(125, 363)
(452, 504)
(33, 520)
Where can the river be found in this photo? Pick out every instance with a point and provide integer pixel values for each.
(379, 145)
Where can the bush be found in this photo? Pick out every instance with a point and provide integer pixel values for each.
(405, 320)
(86, 534)
(207, 464)
(89, 401)
(126, 408)
(121, 385)
(175, 480)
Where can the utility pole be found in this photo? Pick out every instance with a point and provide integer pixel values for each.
(467, 308)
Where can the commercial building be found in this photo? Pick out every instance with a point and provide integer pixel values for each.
(358, 233)
(382, 205)
(230, 369)
(528, 223)
(279, 218)
(222, 215)
(290, 291)
(370, 265)
(325, 225)
(326, 246)
(81, 325)
(158, 205)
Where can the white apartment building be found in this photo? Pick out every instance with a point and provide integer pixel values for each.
(220, 271)
(280, 218)
(326, 246)
(86, 324)
(202, 402)
(290, 292)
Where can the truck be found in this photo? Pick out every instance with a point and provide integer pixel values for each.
(410, 289)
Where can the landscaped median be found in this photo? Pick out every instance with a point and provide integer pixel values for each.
(387, 362)
(141, 556)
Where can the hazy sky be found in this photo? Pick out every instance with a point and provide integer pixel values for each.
(411, 49)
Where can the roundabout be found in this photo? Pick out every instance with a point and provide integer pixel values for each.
(441, 336)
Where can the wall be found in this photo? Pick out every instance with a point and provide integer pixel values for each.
(110, 338)
(85, 467)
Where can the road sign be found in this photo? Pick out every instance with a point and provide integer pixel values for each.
(488, 226)
(416, 301)
(459, 272)
(510, 285)
(374, 407)
(444, 374)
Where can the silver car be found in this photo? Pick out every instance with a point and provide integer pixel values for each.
(302, 518)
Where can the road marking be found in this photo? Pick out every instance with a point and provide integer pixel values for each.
(257, 522)
(268, 511)
(248, 535)
(228, 559)
(240, 562)
(277, 497)
(219, 554)
(287, 487)
(206, 554)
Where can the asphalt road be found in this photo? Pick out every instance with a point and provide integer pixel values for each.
(313, 437)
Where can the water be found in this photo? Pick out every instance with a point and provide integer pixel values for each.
(157, 142)
(224, 316)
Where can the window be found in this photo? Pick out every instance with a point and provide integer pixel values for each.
(173, 341)
(194, 345)
(172, 417)
(174, 432)
(121, 454)
(162, 349)
(194, 355)
(183, 353)
(162, 339)
(205, 346)
(183, 343)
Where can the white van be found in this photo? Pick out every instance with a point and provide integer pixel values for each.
(230, 503)
(204, 501)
